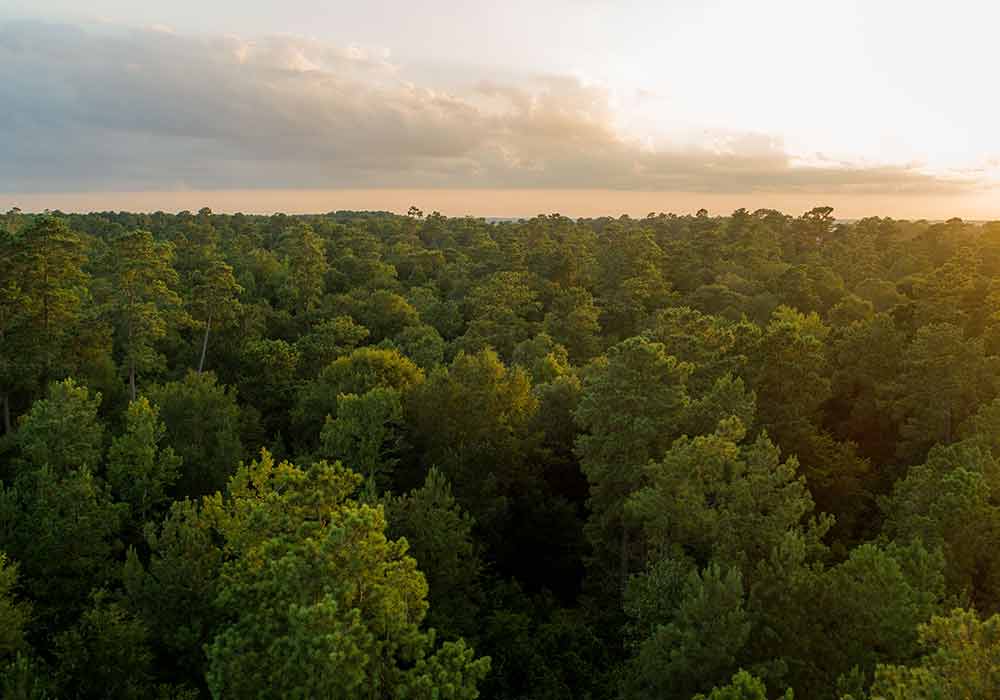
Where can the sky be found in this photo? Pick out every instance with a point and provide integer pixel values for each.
(583, 107)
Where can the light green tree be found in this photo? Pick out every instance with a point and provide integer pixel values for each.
(365, 434)
(961, 660)
(744, 686)
(62, 431)
(14, 613)
(318, 602)
(139, 469)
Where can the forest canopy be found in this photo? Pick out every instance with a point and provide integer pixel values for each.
(361, 454)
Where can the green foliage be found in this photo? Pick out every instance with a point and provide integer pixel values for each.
(712, 499)
(473, 420)
(961, 660)
(43, 292)
(944, 379)
(950, 502)
(175, 591)
(789, 372)
(63, 532)
(631, 283)
(304, 255)
(214, 294)
(503, 310)
(14, 613)
(140, 298)
(422, 344)
(440, 537)
(365, 434)
(540, 651)
(203, 424)
(358, 373)
(386, 314)
(573, 321)
(327, 341)
(866, 611)
(315, 584)
(744, 686)
(105, 654)
(543, 358)
(62, 431)
(629, 413)
(140, 471)
(26, 678)
(689, 630)
(613, 444)
(267, 379)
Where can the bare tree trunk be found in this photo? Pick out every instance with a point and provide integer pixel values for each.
(204, 343)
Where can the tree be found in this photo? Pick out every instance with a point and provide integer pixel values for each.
(950, 502)
(440, 537)
(62, 431)
(26, 678)
(10, 312)
(268, 379)
(62, 529)
(789, 373)
(326, 341)
(365, 434)
(473, 420)
(631, 409)
(864, 612)
(14, 613)
(318, 602)
(543, 358)
(203, 422)
(141, 298)
(573, 321)
(503, 310)
(43, 290)
(422, 344)
(866, 358)
(214, 297)
(631, 283)
(710, 343)
(944, 379)
(305, 255)
(690, 628)
(364, 369)
(140, 471)
(962, 660)
(386, 314)
(744, 686)
(174, 591)
(105, 654)
(711, 498)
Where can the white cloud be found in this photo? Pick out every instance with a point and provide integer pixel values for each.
(113, 109)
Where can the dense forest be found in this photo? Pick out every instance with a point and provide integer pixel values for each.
(365, 455)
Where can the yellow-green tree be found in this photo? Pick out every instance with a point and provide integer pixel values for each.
(319, 602)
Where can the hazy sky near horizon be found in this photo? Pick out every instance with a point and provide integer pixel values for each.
(865, 104)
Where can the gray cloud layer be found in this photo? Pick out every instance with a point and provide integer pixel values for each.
(129, 109)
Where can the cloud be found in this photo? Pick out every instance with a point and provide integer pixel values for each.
(114, 108)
